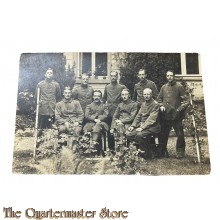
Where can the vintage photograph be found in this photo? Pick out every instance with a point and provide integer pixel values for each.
(111, 113)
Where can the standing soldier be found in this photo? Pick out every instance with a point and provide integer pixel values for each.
(123, 116)
(50, 93)
(172, 99)
(96, 114)
(112, 95)
(83, 93)
(143, 84)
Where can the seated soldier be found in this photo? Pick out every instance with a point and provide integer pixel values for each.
(96, 115)
(69, 116)
(146, 122)
(123, 116)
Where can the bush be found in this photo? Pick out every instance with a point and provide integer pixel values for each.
(155, 64)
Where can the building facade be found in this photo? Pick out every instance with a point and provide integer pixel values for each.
(99, 66)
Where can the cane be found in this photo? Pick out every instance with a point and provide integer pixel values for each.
(36, 122)
(196, 136)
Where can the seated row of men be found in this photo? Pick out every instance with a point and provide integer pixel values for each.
(85, 109)
(69, 117)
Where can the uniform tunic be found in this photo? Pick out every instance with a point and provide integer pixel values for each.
(112, 94)
(126, 112)
(83, 93)
(147, 117)
(68, 111)
(171, 95)
(139, 88)
(50, 92)
(96, 111)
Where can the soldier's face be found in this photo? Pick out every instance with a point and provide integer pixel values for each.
(97, 96)
(142, 75)
(147, 95)
(85, 80)
(125, 95)
(67, 94)
(170, 76)
(113, 76)
(49, 74)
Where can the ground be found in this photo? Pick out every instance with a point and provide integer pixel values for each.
(68, 163)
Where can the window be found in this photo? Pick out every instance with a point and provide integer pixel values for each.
(87, 63)
(95, 63)
(192, 63)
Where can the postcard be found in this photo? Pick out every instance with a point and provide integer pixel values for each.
(111, 113)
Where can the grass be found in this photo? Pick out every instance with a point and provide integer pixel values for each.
(68, 163)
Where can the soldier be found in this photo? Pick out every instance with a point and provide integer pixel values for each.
(112, 95)
(172, 100)
(50, 93)
(143, 84)
(83, 93)
(69, 116)
(146, 121)
(96, 114)
(123, 116)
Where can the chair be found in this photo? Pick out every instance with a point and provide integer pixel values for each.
(119, 143)
(151, 146)
(103, 140)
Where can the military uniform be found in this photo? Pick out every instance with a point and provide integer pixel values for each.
(112, 94)
(171, 97)
(69, 111)
(84, 94)
(50, 93)
(139, 88)
(147, 119)
(126, 112)
(96, 111)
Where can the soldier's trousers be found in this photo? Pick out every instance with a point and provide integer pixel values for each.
(75, 131)
(166, 126)
(96, 129)
(121, 130)
(46, 121)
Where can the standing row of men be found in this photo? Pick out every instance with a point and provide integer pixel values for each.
(84, 107)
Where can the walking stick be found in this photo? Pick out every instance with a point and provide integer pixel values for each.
(36, 122)
(196, 136)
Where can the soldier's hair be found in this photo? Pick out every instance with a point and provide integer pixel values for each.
(170, 70)
(148, 89)
(67, 88)
(97, 90)
(113, 71)
(49, 68)
(125, 90)
(85, 74)
(142, 70)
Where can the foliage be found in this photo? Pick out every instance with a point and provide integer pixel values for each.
(26, 103)
(23, 122)
(127, 160)
(155, 64)
(32, 69)
(197, 126)
(196, 109)
(200, 119)
(47, 144)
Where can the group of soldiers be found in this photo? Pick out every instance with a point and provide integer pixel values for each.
(148, 113)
